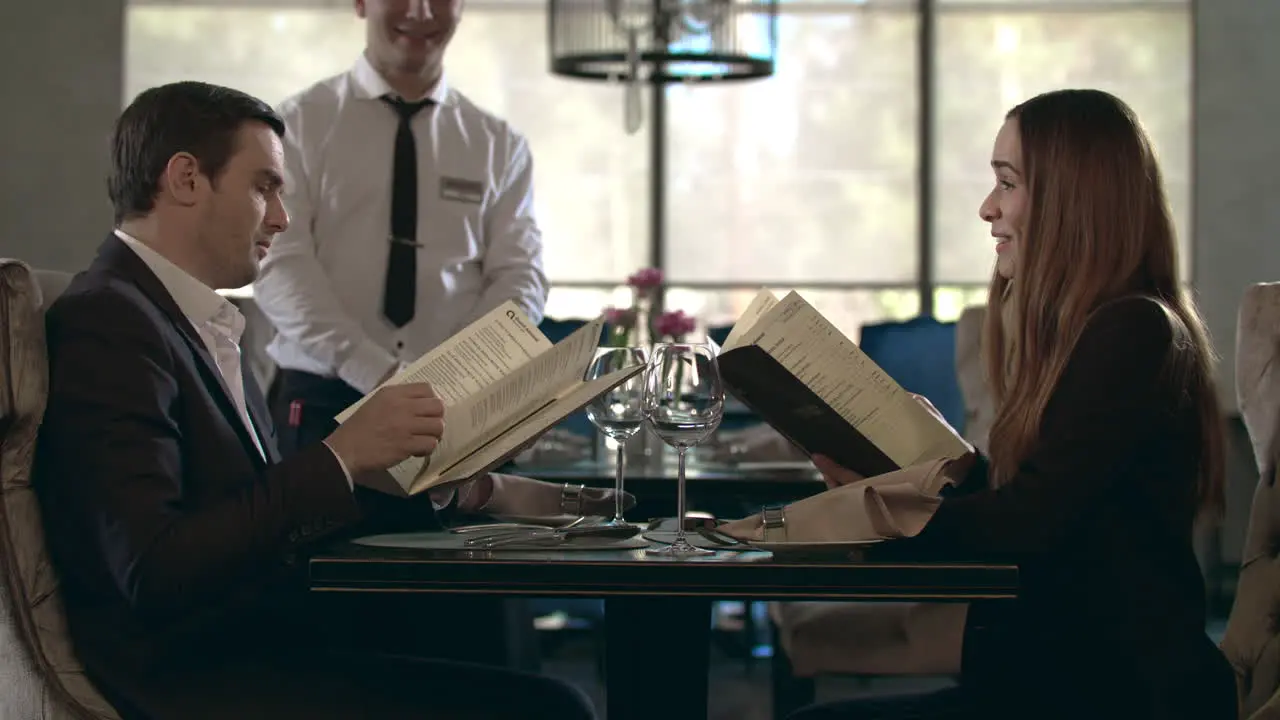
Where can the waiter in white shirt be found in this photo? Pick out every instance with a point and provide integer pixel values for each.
(411, 215)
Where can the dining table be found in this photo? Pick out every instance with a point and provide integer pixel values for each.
(657, 609)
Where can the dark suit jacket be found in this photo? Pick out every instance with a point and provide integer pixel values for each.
(174, 539)
(1111, 616)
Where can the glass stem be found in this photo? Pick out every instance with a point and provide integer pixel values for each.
(680, 501)
(617, 481)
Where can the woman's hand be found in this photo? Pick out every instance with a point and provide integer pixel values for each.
(834, 474)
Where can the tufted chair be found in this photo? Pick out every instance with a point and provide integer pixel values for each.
(868, 639)
(40, 677)
(1252, 640)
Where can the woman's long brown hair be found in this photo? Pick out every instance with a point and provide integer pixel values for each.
(1098, 228)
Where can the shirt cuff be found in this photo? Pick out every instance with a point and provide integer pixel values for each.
(367, 367)
(351, 483)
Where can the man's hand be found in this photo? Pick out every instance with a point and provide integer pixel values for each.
(834, 474)
(395, 423)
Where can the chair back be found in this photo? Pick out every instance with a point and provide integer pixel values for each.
(40, 676)
(1252, 639)
(920, 354)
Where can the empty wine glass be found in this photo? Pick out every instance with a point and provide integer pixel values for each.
(683, 403)
(619, 412)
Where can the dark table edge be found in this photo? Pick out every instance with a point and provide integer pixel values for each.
(887, 595)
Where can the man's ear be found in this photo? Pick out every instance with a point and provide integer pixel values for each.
(360, 9)
(182, 179)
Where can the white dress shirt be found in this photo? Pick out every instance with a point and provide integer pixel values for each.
(322, 282)
(216, 320)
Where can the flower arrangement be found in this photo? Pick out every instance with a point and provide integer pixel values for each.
(673, 325)
(646, 280)
(630, 326)
(621, 324)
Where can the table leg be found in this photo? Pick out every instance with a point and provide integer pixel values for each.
(657, 655)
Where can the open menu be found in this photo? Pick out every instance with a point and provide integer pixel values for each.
(790, 365)
(503, 384)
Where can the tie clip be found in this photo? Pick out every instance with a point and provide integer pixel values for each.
(404, 241)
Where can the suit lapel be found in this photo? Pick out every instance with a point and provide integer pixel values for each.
(116, 257)
(258, 411)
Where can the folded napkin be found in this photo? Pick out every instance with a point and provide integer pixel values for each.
(893, 505)
(522, 496)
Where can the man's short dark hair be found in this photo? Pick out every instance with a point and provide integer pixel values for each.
(193, 117)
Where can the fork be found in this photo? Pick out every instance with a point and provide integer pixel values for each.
(719, 538)
(555, 537)
(522, 531)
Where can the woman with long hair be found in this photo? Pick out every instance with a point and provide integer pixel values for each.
(1106, 450)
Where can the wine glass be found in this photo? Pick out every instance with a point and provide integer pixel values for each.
(683, 403)
(618, 413)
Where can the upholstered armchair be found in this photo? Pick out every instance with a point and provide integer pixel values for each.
(1252, 640)
(888, 638)
(40, 677)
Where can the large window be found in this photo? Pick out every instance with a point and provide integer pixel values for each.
(993, 55)
(808, 179)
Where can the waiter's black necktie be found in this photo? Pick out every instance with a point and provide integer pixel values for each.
(402, 264)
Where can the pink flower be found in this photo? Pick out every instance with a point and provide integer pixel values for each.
(620, 317)
(675, 324)
(645, 279)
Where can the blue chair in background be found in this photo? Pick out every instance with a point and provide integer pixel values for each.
(920, 354)
(719, 333)
(557, 330)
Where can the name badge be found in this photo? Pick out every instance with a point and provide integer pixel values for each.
(459, 190)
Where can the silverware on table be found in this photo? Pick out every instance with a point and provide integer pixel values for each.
(553, 535)
(720, 538)
(506, 528)
(496, 527)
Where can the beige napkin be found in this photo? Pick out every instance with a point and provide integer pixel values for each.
(516, 495)
(893, 505)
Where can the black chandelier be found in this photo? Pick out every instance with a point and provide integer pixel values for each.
(662, 42)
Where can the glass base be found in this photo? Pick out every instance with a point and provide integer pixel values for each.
(617, 523)
(678, 549)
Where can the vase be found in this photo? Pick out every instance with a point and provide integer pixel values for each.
(642, 334)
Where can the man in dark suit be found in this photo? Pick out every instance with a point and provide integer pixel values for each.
(172, 521)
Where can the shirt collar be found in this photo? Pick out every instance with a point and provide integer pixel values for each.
(196, 300)
(368, 84)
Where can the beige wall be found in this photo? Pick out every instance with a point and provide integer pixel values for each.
(1237, 160)
(61, 67)
(1237, 191)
